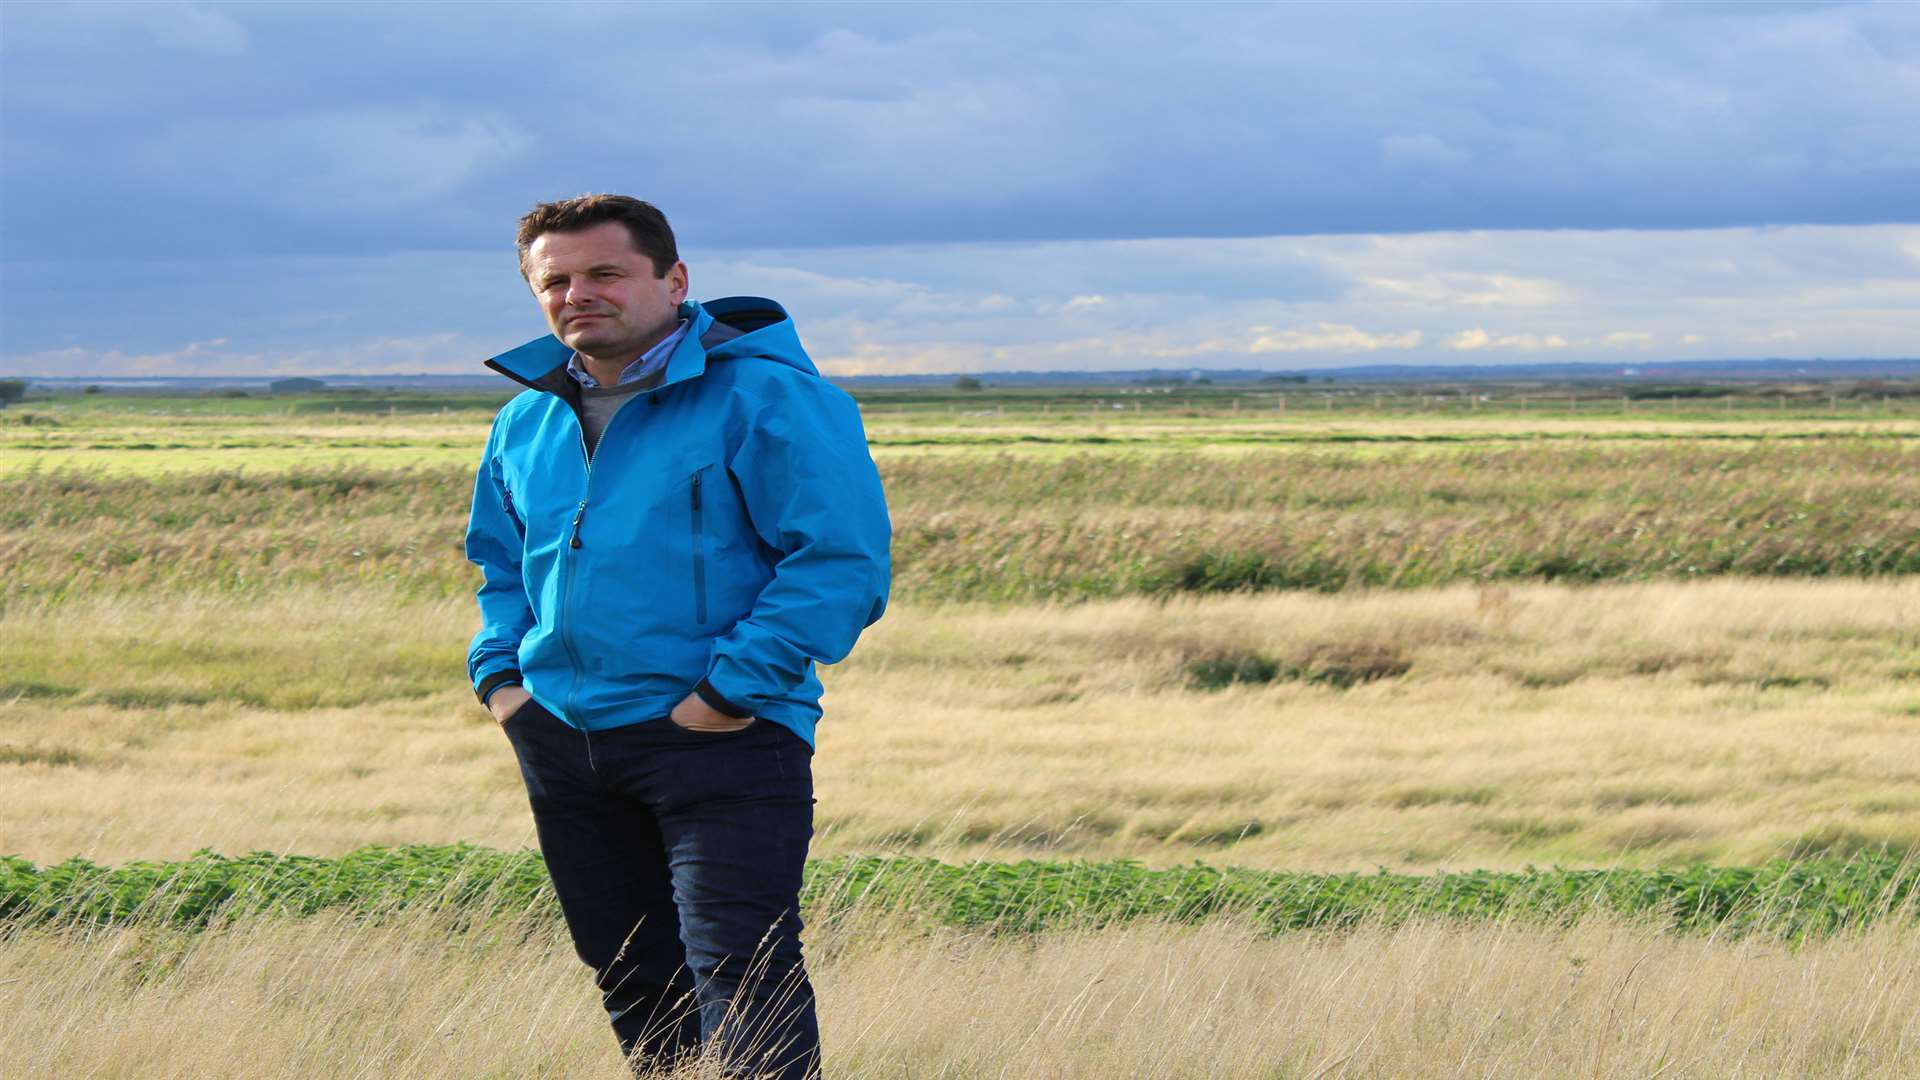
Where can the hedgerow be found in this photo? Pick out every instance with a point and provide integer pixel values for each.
(1792, 900)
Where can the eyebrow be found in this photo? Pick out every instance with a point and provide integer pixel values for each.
(547, 278)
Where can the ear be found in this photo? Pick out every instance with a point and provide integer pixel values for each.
(677, 279)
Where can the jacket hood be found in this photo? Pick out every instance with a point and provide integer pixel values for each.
(730, 328)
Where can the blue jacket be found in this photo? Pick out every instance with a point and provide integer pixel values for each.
(729, 533)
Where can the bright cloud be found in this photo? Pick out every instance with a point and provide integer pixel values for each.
(1476, 338)
(1328, 338)
(1272, 303)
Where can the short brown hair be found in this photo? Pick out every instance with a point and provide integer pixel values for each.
(652, 236)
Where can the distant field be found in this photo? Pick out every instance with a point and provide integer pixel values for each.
(105, 434)
(989, 525)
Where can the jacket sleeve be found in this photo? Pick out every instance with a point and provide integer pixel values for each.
(495, 540)
(813, 494)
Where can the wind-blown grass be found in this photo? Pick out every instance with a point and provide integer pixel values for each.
(338, 994)
(1010, 528)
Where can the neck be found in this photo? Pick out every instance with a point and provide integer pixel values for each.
(607, 372)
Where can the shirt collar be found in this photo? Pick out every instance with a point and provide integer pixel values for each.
(640, 368)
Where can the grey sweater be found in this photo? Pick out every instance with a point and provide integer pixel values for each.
(598, 404)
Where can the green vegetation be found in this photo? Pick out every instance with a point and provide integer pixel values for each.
(1791, 900)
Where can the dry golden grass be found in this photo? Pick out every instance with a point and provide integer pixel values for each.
(1724, 720)
(149, 436)
(327, 996)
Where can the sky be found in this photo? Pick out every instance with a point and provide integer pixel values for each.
(234, 189)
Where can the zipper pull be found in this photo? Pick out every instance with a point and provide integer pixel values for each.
(696, 491)
(577, 516)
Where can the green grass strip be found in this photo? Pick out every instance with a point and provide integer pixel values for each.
(1793, 900)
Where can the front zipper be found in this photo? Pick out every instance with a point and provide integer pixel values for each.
(579, 515)
(699, 558)
(567, 574)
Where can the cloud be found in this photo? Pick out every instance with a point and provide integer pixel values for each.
(371, 129)
(1421, 152)
(1327, 338)
(1289, 303)
(310, 163)
(183, 27)
(195, 27)
(1477, 338)
(1454, 288)
(426, 353)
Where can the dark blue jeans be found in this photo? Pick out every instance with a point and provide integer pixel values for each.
(677, 858)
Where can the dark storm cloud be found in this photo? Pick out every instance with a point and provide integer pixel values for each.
(158, 131)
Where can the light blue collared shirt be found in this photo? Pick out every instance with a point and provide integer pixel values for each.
(648, 362)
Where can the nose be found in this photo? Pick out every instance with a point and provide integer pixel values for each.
(580, 293)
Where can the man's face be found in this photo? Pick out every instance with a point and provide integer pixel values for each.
(600, 295)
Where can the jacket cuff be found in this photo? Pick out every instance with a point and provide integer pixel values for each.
(719, 702)
(495, 681)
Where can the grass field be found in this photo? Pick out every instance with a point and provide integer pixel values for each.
(1470, 726)
(329, 996)
(1428, 637)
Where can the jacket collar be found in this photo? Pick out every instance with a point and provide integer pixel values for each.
(542, 362)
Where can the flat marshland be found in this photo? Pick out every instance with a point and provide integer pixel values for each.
(1636, 636)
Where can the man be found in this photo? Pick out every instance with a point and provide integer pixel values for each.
(675, 523)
